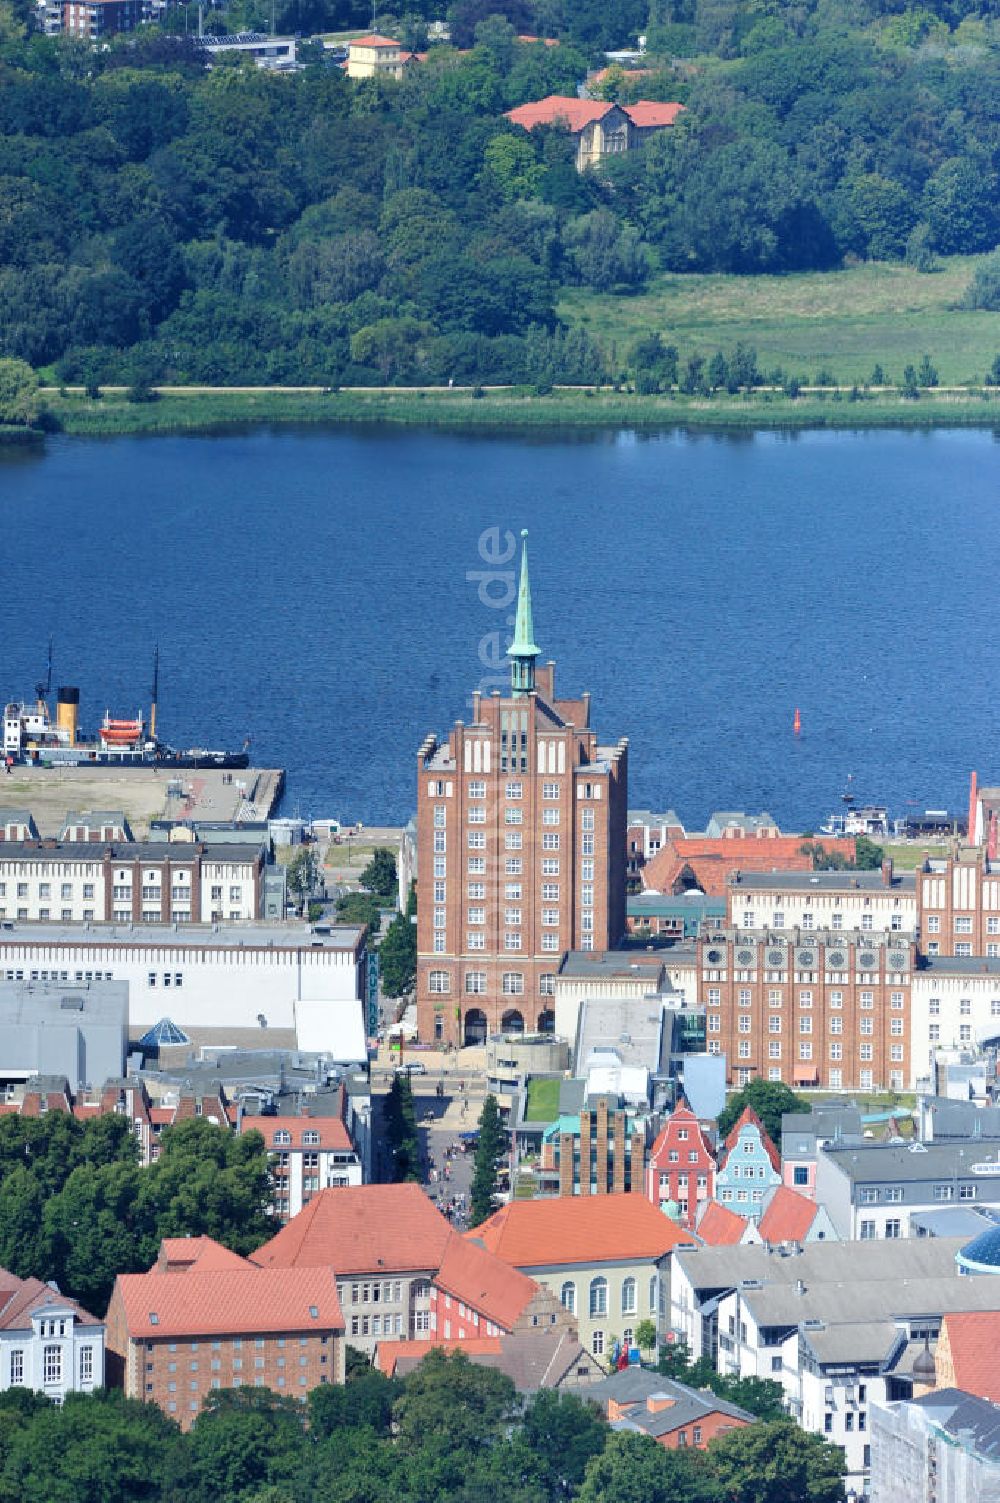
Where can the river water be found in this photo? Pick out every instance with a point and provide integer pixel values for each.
(315, 590)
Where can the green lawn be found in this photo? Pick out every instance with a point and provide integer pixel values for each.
(846, 321)
(543, 1100)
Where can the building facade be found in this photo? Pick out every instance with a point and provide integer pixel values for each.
(47, 1343)
(600, 1151)
(958, 906)
(681, 1165)
(865, 901)
(308, 1154)
(521, 851)
(277, 985)
(829, 1009)
(749, 1166)
(81, 881)
(203, 1319)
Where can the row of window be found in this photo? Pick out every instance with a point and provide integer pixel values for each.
(477, 789)
(52, 1365)
(598, 1296)
(963, 925)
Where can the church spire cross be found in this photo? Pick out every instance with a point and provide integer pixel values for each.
(523, 650)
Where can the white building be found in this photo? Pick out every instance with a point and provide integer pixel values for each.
(47, 1342)
(309, 1154)
(873, 1190)
(619, 975)
(847, 900)
(954, 1004)
(941, 1448)
(149, 882)
(279, 985)
(838, 1326)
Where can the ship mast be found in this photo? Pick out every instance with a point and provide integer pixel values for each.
(42, 690)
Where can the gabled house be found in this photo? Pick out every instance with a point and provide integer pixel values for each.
(717, 1226)
(599, 128)
(674, 1414)
(681, 1166)
(792, 1218)
(47, 1342)
(749, 1167)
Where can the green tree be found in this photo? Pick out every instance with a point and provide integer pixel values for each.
(770, 1099)
(379, 876)
(364, 1402)
(401, 1130)
(984, 289)
(511, 165)
(20, 403)
(868, 856)
(490, 1149)
(302, 874)
(927, 373)
(95, 1448)
(776, 1462)
(398, 957)
(760, 1396)
(563, 1432)
(243, 1438)
(645, 1335)
(634, 1469)
(450, 1401)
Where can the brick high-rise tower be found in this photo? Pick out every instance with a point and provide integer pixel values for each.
(521, 851)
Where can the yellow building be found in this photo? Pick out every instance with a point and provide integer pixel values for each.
(375, 57)
(605, 1257)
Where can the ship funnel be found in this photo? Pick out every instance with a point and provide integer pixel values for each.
(67, 710)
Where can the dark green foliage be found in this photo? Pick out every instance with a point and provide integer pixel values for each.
(984, 289)
(398, 956)
(401, 1130)
(868, 855)
(379, 876)
(490, 1149)
(770, 1099)
(76, 1207)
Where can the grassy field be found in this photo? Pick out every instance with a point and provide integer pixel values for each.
(845, 321)
(513, 410)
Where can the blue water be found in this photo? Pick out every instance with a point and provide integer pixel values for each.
(311, 589)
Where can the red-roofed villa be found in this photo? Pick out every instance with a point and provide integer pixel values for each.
(601, 129)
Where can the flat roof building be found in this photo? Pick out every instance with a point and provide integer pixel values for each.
(77, 1031)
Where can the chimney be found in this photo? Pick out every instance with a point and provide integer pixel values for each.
(657, 1402)
(887, 871)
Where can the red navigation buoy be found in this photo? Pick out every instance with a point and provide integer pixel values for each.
(797, 725)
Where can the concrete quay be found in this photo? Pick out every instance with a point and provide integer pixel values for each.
(144, 793)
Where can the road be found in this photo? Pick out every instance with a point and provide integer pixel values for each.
(440, 1121)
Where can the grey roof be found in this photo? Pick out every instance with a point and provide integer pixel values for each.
(124, 850)
(830, 881)
(635, 1385)
(632, 1028)
(951, 1221)
(965, 1417)
(855, 1301)
(572, 1095)
(960, 1119)
(95, 817)
(871, 1163)
(961, 965)
(621, 964)
(58, 1002)
(248, 935)
(648, 817)
(16, 817)
(823, 1263)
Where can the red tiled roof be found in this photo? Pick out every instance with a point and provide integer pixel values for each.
(229, 1302)
(562, 110)
(388, 1353)
(20, 1298)
(973, 1340)
(373, 40)
(331, 1130)
(719, 1226)
(598, 78)
(487, 1283)
(713, 858)
(748, 1117)
(161, 1116)
(583, 1229)
(787, 1216)
(179, 1254)
(647, 113)
(362, 1229)
(546, 41)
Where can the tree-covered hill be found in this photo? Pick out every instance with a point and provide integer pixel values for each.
(161, 222)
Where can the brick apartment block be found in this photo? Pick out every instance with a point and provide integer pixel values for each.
(521, 851)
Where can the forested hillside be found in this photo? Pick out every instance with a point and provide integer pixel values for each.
(158, 221)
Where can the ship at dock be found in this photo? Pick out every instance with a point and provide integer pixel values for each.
(33, 736)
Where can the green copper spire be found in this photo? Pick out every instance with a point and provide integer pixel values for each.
(523, 650)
